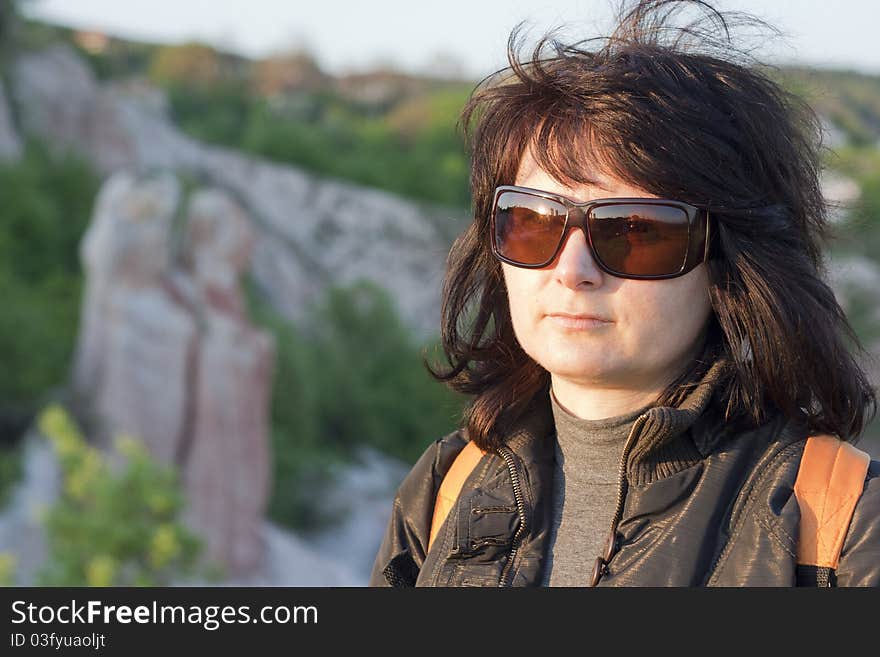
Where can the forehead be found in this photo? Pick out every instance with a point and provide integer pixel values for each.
(601, 185)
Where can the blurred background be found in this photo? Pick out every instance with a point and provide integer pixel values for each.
(223, 234)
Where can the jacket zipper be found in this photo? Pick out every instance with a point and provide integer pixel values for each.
(601, 566)
(508, 457)
(622, 486)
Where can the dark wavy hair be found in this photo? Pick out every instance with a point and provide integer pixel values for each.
(680, 113)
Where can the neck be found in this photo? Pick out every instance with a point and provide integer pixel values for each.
(590, 403)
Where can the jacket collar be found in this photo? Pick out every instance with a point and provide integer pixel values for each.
(671, 438)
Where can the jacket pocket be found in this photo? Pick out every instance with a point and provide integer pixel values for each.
(484, 523)
(486, 520)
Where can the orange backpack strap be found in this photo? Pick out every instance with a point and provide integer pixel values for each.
(830, 481)
(450, 487)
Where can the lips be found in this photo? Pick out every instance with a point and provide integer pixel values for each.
(579, 316)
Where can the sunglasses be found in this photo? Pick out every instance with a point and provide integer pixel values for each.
(641, 238)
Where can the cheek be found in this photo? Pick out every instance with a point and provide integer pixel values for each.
(668, 316)
(521, 295)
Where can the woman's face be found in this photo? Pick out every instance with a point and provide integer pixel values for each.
(653, 327)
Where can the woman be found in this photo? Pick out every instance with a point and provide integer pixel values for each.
(638, 313)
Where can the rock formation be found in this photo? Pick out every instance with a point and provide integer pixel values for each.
(227, 460)
(166, 352)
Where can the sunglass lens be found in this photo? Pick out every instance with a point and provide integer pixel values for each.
(527, 228)
(641, 240)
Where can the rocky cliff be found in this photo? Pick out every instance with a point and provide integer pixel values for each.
(308, 232)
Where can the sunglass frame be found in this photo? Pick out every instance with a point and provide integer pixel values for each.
(694, 254)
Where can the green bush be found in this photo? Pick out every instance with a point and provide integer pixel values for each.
(215, 113)
(353, 377)
(47, 202)
(374, 387)
(860, 233)
(112, 525)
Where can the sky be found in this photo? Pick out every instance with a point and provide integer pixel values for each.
(467, 36)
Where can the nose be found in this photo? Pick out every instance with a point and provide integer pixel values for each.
(575, 265)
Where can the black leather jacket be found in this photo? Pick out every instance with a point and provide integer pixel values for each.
(697, 506)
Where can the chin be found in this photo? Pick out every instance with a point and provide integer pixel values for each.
(574, 363)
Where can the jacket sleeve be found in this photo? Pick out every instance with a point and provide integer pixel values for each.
(404, 545)
(859, 563)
